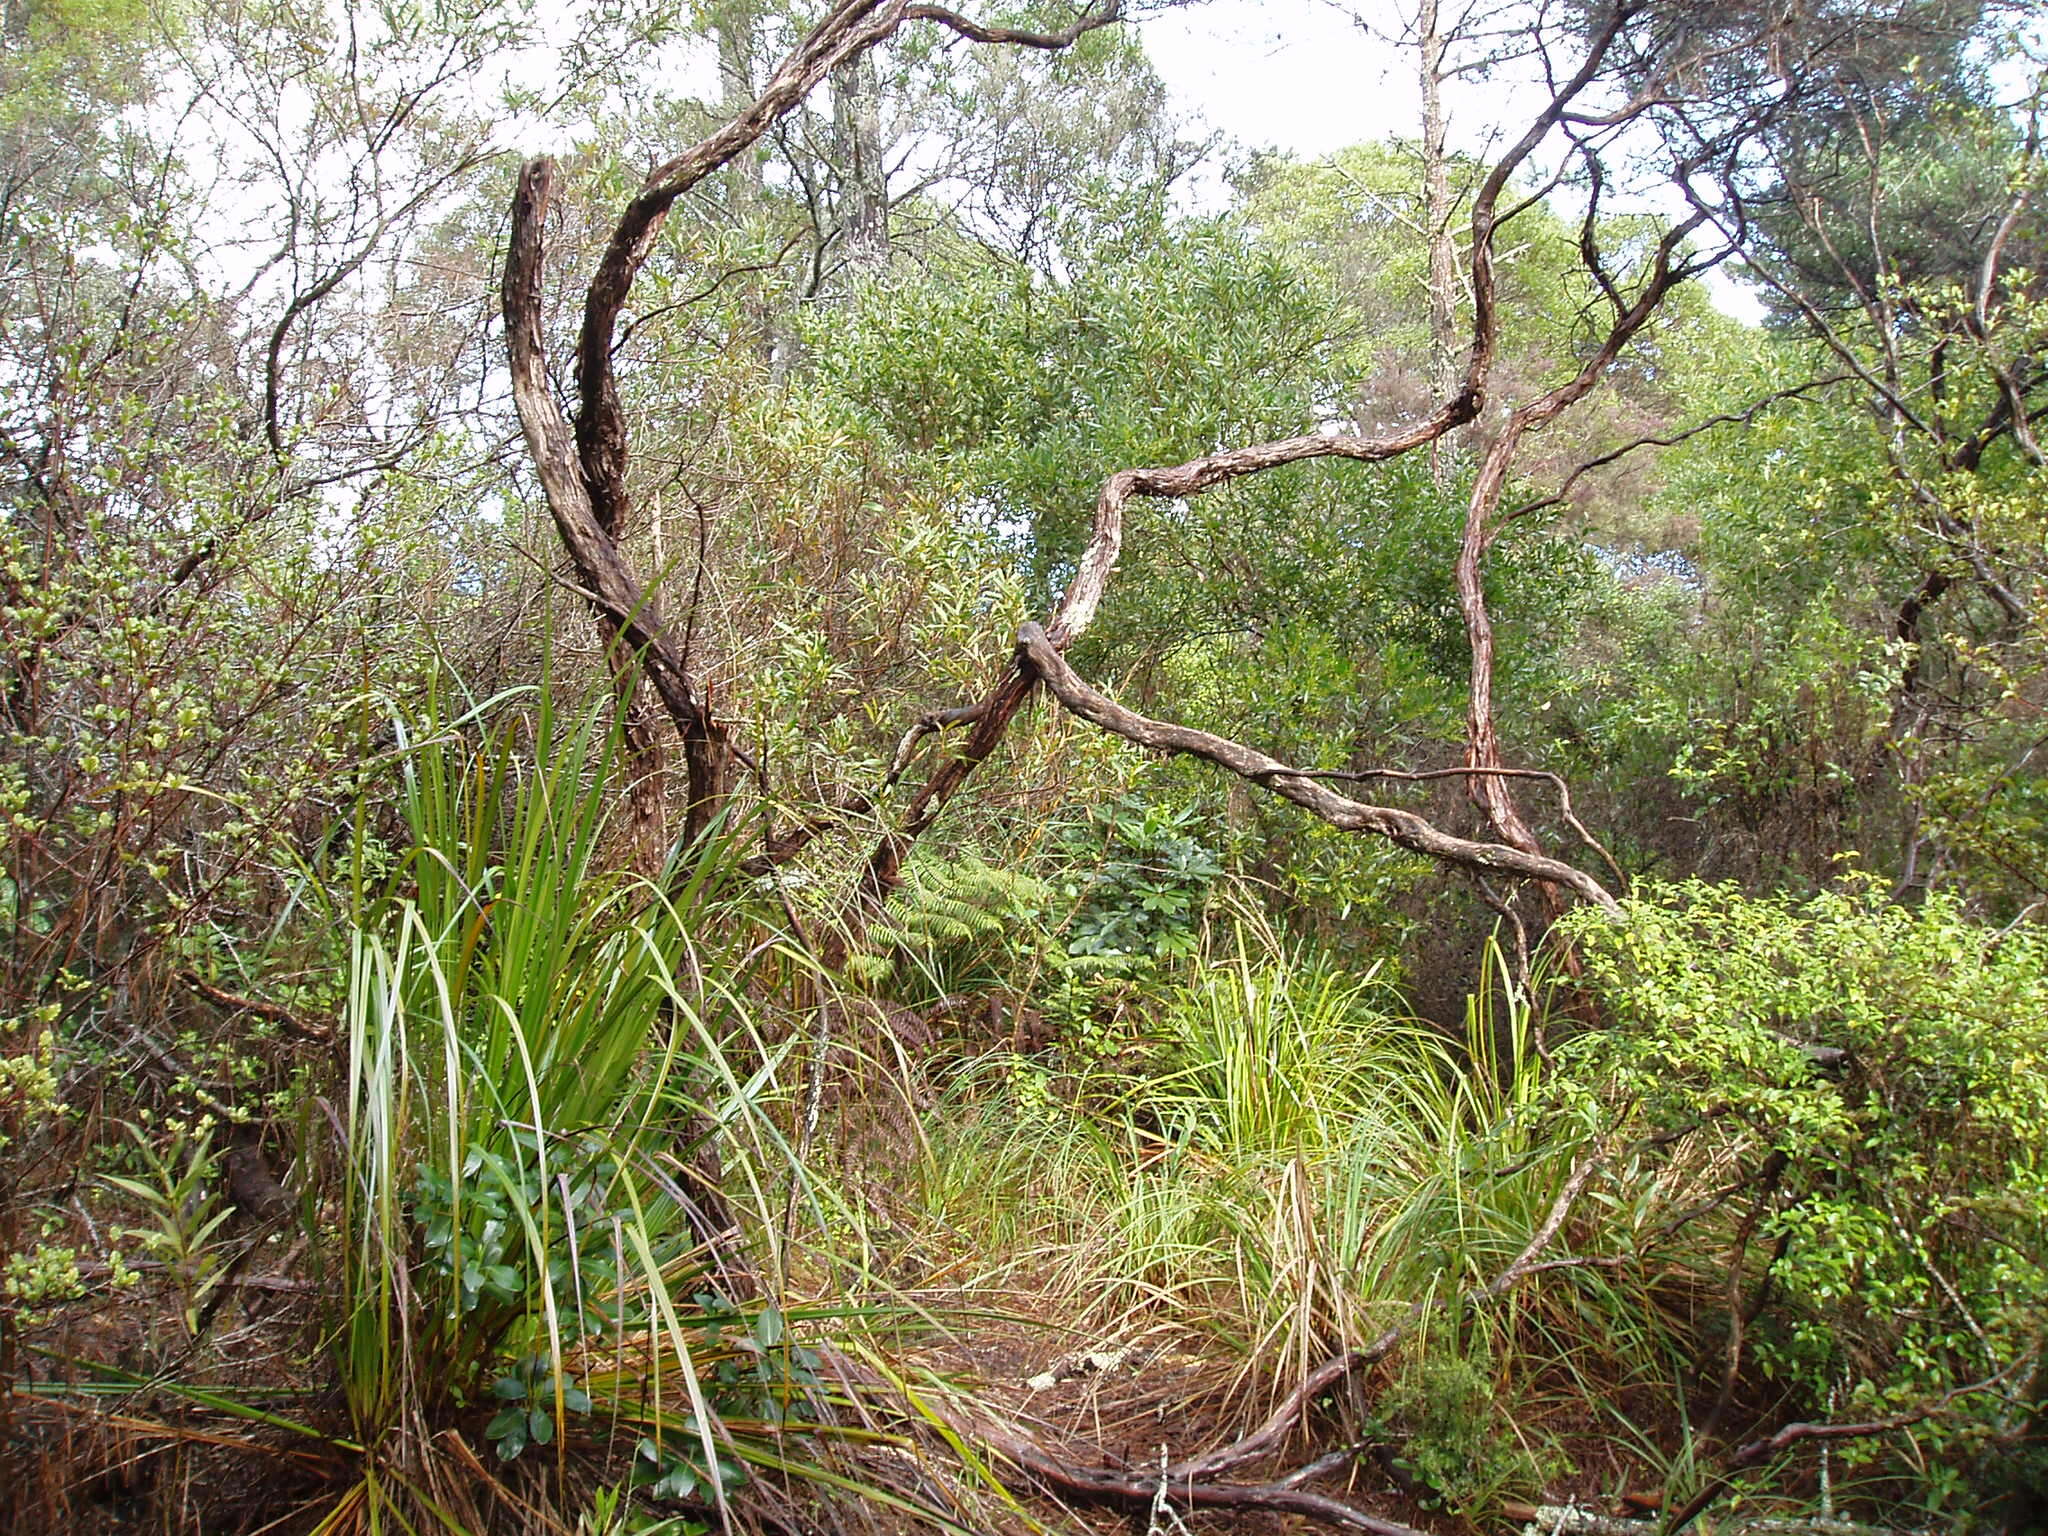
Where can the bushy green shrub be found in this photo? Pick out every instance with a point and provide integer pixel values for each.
(1452, 1435)
(1870, 1082)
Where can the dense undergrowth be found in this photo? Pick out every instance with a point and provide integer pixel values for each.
(574, 1221)
(400, 1133)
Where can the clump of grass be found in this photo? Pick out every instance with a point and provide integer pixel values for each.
(537, 1048)
(533, 1283)
(1301, 1165)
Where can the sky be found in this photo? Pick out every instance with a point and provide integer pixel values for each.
(1306, 77)
(1299, 75)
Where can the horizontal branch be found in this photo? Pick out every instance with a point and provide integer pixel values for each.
(234, 1002)
(1554, 780)
(1404, 828)
(1793, 1434)
(1084, 593)
(1140, 1491)
(981, 32)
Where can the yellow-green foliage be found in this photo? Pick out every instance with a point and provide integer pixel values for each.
(28, 1084)
(1875, 1078)
(949, 919)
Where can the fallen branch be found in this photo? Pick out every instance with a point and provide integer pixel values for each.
(1570, 1520)
(1794, 1434)
(1137, 1491)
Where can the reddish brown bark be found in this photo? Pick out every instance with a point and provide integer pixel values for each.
(584, 471)
(1084, 595)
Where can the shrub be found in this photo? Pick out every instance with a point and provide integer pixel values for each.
(1870, 1082)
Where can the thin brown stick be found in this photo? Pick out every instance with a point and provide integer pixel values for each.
(234, 1002)
(1742, 417)
(1794, 1434)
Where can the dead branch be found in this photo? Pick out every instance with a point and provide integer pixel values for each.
(1137, 1491)
(1084, 594)
(234, 1002)
(1405, 828)
(1122, 1486)
(1793, 1434)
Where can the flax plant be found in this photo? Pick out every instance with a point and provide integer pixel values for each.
(536, 1046)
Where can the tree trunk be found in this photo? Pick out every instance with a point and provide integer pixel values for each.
(1437, 210)
(864, 207)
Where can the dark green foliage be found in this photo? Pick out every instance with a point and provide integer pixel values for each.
(1451, 1435)
(529, 1392)
(1143, 883)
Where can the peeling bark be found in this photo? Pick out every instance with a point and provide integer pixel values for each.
(583, 470)
(1404, 828)
(624, 610)
(1085, 593)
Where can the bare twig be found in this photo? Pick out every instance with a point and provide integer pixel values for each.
(234, 1002)
(1793, 1434)
(1742, 417)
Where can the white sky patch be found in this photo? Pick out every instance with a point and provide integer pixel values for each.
(1297, 75)
(1304, 77)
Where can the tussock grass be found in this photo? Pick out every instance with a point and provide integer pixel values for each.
(556, 1230)
(1294, 1169)
(619, 1172)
